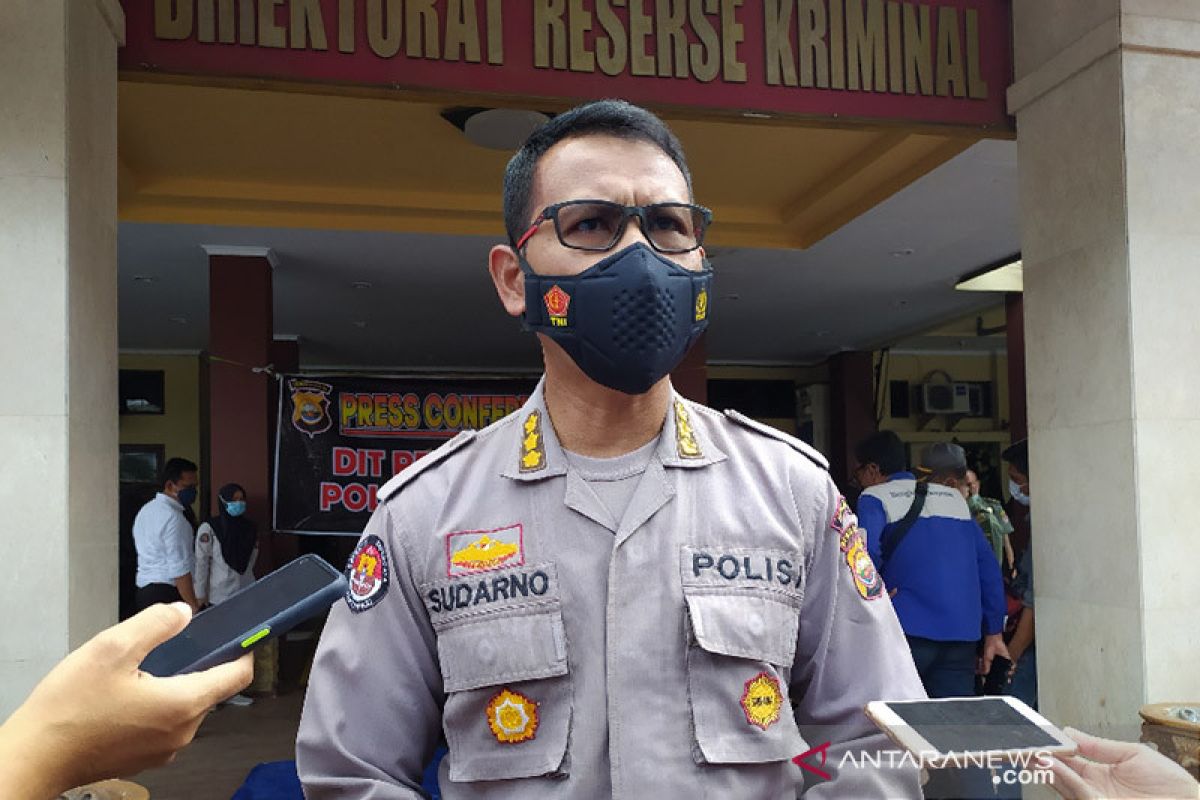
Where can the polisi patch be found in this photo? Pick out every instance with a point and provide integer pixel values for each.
(368, 573)
(468, 552)
(743, 567)
(867, 580)
(512, 717)
(762, 700)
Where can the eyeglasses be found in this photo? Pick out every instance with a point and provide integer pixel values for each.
(598, 225)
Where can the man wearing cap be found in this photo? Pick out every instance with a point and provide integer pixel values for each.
(614, 592)
(939, 568)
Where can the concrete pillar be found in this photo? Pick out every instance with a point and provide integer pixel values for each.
(1107, 114)
(852, 413)
(240, 338)
(58, 332)
(1014, 330)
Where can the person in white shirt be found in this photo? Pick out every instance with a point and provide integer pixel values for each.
(226, 548)
(163, 539)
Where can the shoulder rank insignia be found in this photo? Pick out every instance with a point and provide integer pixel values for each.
(809, 452)
(762, 700)
(685, 437)
(389, 489)
(513, 717)
(533, 449)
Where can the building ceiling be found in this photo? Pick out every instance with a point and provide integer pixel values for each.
(885, 276)
(269, 158)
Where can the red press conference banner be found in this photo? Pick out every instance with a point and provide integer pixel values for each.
(924, 61)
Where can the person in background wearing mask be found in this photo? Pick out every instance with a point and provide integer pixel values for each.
(991, 517)
(226, 548)
(614, 589)
(163, 539)
(1021, 646)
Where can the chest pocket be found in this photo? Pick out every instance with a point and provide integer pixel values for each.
(741, 645)
(503, 654)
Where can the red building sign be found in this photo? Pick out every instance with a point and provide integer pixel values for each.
(927, 61)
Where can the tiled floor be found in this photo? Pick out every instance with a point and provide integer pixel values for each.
(230, 742)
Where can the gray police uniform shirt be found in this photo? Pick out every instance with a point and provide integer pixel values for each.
(731, 622)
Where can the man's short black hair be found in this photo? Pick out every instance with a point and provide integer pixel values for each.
(602, 117)
(172, 471)
(883, 449)
(1017, 454)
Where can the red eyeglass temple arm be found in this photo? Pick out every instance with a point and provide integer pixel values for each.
(530, 231)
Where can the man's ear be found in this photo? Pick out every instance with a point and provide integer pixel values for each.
(505, 270)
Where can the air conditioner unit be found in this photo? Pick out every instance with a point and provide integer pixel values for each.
(946, 398)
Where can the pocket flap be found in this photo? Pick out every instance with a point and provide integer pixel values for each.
(744, 626)
(503, 649)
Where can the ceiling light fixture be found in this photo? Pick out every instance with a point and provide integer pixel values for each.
(495, 128)
(1005, 276)
(178, 320)
(361, 284)
(144, 279)
(904, 252)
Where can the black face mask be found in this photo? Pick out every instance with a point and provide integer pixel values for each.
(627, 320)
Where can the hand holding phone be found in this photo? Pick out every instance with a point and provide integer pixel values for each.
(257, 614)
(950, 730)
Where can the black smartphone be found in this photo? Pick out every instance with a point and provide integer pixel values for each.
(262, 611)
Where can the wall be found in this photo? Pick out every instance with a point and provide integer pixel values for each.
(178, 430)
(919, 429)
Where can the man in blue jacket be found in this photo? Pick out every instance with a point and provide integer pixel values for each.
(941, 573)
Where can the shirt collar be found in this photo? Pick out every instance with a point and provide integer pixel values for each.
(902, 475)
(171, 501)
(538, 454)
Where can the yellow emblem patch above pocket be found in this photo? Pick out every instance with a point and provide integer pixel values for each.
(762, 700)
(513, 717)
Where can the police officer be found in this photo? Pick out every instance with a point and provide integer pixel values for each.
(613, 592)
(992, 519)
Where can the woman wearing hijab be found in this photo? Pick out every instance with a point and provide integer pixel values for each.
(226, 546)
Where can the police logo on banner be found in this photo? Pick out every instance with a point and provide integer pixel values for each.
(368, 573)
(310, 406)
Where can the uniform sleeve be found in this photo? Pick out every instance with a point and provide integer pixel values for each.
(372, 715)
(991, 584)
(178, 557)
(872, 519)
(850, 651)
(1006, 526)
(204, 548)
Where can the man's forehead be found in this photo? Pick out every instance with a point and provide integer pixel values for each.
(602, 166)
